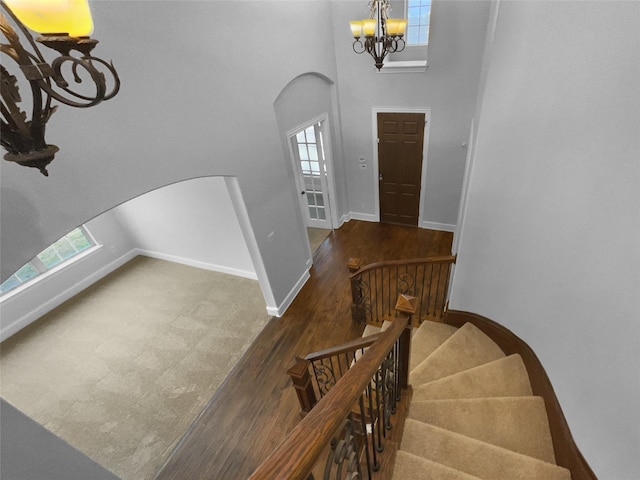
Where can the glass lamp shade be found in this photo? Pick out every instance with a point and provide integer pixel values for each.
(72, 17)
(356, 28)
(393, 26)
(369, 26)
(402, 26)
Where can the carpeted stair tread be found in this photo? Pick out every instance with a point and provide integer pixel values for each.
(412, 467)
(475, 457)
(505, 377)
(426, 339)
(372, 329)
(468, 347)
(515, 423)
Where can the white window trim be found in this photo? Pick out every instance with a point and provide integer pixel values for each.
(406, 66)
(50, 272)
(20, 289)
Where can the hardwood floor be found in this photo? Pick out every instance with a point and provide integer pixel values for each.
(256, 406)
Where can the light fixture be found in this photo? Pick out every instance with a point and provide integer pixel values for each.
(65, 26)
(382, 35)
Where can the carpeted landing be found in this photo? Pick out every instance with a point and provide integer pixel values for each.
(121, 370)
(472, 415)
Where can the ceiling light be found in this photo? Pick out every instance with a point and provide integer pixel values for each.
(65, 26)
(382, 35)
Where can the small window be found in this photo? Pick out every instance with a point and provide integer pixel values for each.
(418, 20)
(76, 241)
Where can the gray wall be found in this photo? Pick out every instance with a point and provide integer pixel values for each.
(448, 88)
(191, 222)
(30, 452)
(549, 247)
(305, 98)
(22, 307)
(154, 224)
(196, 100)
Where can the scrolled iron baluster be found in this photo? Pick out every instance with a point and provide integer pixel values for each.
(380, 412)
(364, 298)
(325, 377)
(406, 283)
(343, 449)
(388, 375)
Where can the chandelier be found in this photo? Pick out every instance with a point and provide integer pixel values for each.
(23, 137)
(382, 35)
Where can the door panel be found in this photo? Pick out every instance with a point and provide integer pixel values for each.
(400, 142)
(308, 151)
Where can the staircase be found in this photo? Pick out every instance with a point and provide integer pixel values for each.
(472, 414)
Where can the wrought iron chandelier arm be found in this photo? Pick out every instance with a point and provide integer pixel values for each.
(23, 138)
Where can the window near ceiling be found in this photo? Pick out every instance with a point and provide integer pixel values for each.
(418, 20)
(57, 254)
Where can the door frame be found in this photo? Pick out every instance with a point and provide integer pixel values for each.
(425, 146)
(328, 162)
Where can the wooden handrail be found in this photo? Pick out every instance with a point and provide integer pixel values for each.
(347, 347)
(411, 261)
(375, 287)
(295, 457)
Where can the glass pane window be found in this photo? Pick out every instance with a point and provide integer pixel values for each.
(418, 21)
(64, 249)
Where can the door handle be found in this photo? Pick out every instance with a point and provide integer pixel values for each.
(380, 177)
(302, 192)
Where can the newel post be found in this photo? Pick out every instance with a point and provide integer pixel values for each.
(407, 305)
(301, 379)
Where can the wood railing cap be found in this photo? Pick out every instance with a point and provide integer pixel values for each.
(354, 264)
(406, 304)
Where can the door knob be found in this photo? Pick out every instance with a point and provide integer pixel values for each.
(380, 177)
(303, 192)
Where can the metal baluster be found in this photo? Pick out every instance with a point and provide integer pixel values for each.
(437, 305)
(430, 288)
(377, 303)
(378, 420)
(424, 273)
(363, 423)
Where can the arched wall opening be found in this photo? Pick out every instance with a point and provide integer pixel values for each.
(201, 222)
(307, 98)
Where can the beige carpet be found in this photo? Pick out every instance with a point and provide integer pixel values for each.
(121, 370)
(316, 237)
(472, 414)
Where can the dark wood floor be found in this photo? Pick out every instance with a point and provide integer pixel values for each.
(254, 409)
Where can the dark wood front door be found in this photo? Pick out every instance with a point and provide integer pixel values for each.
(400, 138)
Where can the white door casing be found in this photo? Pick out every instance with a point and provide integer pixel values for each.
(309, 147)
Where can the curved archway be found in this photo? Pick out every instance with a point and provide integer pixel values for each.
(200, 222)
(310, 99)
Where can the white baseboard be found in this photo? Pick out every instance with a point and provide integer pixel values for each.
(367, 217)
(17, 325)
(344, 218)
(198, 264)
(280, 309)
(445, 227)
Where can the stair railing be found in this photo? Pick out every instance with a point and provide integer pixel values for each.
(375, 288)
(349, 422)
(313, 375)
